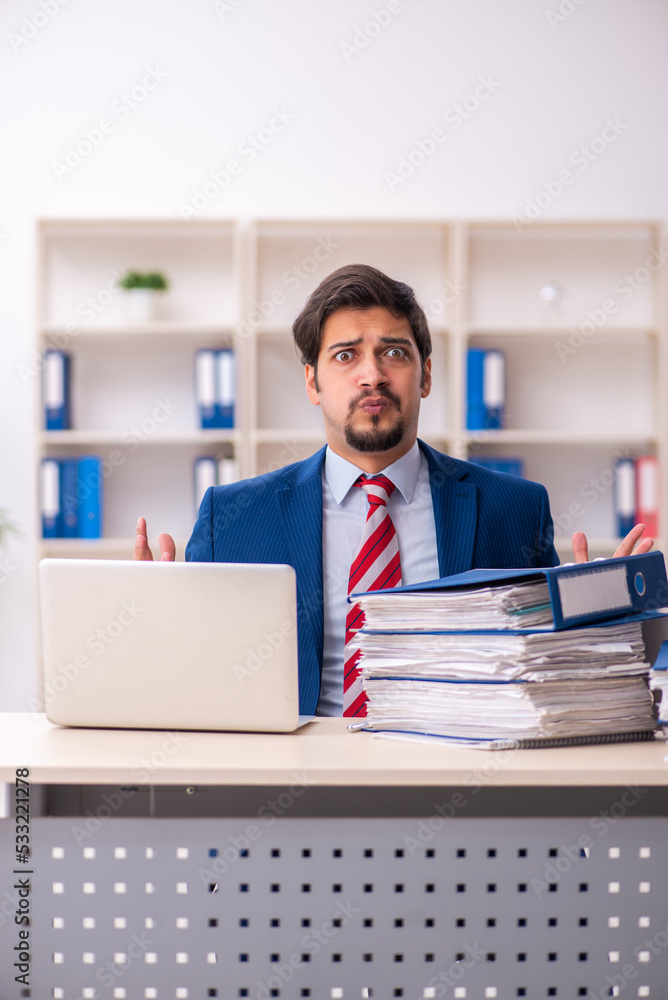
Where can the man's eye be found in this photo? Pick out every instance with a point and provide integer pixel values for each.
(397, 352)
(343, 356)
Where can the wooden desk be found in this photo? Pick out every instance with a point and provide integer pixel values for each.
(323, 750)
(333, 864)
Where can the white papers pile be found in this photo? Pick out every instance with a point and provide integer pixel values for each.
(512, 710)
(578, 685)
(581, 653)
(508, 606)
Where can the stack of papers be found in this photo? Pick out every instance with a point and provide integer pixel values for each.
(512, 710)
(488, 657)
(516, 606)
(574, 654)
(582, 682)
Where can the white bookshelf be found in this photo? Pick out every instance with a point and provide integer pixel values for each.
(586, 370)
(570, 410)
(132, 387)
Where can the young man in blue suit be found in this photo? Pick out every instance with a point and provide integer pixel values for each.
(366, 349)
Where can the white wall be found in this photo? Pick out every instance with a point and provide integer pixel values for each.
(223, 67)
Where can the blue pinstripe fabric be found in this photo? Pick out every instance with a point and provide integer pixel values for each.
(483, 520)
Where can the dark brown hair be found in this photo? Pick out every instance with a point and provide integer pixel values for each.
(357, 286)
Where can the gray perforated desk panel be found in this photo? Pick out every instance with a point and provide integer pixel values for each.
(326, 864)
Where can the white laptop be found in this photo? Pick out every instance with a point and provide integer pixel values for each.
(151, 645)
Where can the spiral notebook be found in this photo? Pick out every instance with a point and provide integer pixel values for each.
(506, 744)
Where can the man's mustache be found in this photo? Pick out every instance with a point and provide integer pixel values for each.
(367, 393)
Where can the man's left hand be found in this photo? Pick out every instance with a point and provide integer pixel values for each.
(626, 547)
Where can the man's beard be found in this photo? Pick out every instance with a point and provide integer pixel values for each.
(374, 439)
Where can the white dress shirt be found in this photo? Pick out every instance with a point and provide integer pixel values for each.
(344, 513)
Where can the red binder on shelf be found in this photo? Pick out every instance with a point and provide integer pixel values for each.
(647, 494)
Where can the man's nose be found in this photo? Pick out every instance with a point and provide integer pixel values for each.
(371, 372)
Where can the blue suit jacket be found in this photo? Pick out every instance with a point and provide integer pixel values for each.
(483, 520)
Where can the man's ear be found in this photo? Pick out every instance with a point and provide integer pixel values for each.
(311, 390)
(426, 379)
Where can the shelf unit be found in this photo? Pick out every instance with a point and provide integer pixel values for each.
(132, 384)
(578, 308)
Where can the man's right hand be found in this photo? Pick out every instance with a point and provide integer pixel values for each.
(165, 541)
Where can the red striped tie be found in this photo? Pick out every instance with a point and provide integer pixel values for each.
(375, 566)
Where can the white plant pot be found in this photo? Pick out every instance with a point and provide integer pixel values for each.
(140, 304)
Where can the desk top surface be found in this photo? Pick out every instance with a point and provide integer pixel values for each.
(321, 753)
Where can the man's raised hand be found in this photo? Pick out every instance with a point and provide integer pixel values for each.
(626, 547)
(142, 550)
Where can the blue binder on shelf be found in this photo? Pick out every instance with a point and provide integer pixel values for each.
(56, 391)
(51, 519)
(485, 389)
(205, 389)
(494, 389)
(89, 490)
(475, 408)
(204, 476)
(69, 503)
(225, 387)
(579, 593)
(625, 495)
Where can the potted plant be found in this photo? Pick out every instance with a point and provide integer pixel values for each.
(141, 294)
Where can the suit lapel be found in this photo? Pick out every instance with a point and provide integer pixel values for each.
(300, 510)
(455, 512)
